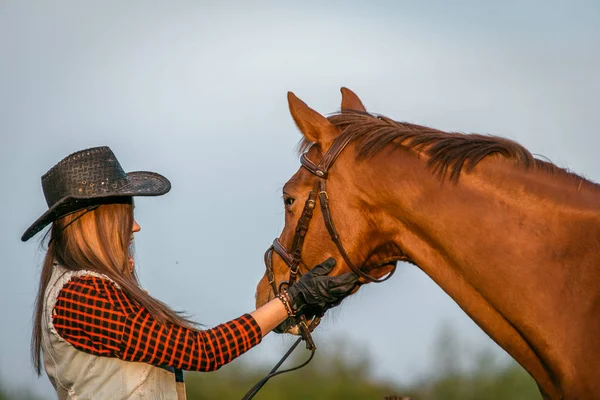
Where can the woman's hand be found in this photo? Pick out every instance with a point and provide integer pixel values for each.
(317, 290)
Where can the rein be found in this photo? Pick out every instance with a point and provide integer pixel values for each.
(250, 394)
(293, 258)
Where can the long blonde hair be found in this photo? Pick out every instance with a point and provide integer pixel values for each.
(97, 240)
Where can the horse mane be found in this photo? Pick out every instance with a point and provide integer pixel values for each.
(448, 151)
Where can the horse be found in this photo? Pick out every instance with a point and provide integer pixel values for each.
(512, 239)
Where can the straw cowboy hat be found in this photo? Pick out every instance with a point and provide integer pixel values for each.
(88, 178)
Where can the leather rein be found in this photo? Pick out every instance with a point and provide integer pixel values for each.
(293, 257)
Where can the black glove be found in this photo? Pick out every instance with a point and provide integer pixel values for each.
(317, 290)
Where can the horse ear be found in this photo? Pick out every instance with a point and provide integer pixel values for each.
(350, 101)
(313, 125)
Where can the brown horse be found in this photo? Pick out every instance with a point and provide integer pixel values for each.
(514, 240)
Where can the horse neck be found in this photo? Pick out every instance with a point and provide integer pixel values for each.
(507, 245)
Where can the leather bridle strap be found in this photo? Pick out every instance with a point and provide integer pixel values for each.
(293, 258)
(282, 251)
(335, 237)
(300, 234)
(269, 267)
(321, 171)
(254, 390)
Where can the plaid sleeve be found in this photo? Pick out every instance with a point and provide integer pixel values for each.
(95, 316)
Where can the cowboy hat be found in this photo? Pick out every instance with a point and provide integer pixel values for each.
(90, 177)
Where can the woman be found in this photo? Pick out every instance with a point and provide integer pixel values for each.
(101, 335)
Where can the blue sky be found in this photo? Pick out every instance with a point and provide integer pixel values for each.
(197, 91)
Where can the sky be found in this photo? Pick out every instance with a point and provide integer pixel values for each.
(196, 91)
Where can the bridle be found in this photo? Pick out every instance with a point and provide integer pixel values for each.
(293, 257)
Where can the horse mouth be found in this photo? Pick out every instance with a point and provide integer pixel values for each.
(287, 326)
(291, 325)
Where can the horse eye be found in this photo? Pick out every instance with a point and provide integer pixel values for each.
(289, 201)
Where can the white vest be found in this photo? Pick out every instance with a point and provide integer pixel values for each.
(77, 375)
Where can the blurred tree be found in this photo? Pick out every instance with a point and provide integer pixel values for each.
(486, 378)
(331, 375)
(336, 373)
(340, 370)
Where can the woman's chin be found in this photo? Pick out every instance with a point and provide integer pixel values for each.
(131, 264)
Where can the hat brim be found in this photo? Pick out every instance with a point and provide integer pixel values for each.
(141, 183)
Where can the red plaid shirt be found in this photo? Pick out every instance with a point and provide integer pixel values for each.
(96, 317)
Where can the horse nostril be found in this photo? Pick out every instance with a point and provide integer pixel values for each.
(280, 328)
(284, 326)
(277, 329)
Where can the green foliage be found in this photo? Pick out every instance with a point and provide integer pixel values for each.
(343, 372)
(16, 395)
(330, 375)
(333, 375)
(506, 382)
(485, 379)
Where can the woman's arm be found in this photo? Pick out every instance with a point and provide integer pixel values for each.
(315, 288)
(270, 315)
(96, 317)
